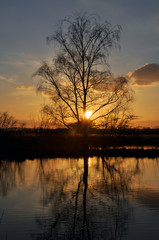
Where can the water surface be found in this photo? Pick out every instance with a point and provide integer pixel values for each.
(85, 198)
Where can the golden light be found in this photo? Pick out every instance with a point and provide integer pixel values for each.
(89, 161)
(88, 114)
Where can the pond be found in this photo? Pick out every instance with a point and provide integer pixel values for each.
(84, 198)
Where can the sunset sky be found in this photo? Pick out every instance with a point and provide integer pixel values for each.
(24, 26)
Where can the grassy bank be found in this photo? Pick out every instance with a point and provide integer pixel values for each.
(36, 143)
(48, 143)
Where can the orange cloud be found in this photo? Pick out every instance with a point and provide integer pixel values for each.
(22, 87)
(146, 75)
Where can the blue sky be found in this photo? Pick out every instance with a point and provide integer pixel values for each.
(24, 26)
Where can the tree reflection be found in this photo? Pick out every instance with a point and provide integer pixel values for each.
(82, 198)
(9, 172)
(86, 203)
(85, 198)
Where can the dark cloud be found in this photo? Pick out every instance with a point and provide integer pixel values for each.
(145, 75)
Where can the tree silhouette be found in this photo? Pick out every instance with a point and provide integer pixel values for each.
(7, 121)
(78, 79)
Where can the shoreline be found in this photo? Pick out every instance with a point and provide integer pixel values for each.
(47, 144)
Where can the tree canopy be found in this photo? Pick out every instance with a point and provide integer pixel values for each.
(78, 79)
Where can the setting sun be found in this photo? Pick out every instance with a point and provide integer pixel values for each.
(88, 114)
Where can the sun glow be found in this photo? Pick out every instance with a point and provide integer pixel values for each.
(88, 114)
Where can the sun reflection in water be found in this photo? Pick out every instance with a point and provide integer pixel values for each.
(89, 162)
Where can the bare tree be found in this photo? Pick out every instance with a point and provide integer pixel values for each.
(7, 121)
(78, 80)
(119, 118)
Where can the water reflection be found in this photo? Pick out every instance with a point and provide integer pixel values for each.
(86, 198)
(88, 202)
(9, 171)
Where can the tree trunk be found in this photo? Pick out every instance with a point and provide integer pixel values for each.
(85, 136)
